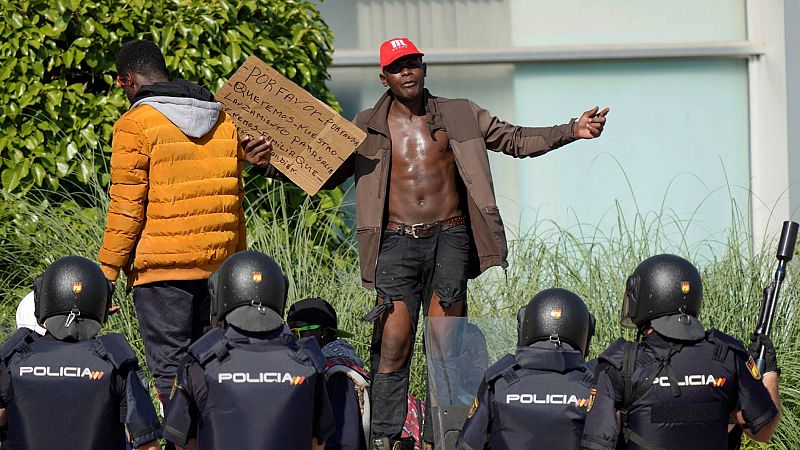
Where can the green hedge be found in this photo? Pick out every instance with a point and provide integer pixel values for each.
(57, 94)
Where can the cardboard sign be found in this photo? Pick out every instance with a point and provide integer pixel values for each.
(309, 139)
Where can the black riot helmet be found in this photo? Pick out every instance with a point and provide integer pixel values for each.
(557, 315)
(72, 298)
(248, 291)
(665, 291)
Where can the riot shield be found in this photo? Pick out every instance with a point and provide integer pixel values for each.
(458, 352)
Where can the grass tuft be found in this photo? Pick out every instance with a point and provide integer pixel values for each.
(320, 260)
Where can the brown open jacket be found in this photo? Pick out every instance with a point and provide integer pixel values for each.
(472, 130)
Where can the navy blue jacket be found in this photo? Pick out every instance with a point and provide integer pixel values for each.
(687, 407)
(250, 391)
(535, 399)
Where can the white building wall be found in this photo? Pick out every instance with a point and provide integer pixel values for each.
(695, 123)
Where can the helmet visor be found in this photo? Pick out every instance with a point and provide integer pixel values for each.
(628, 310)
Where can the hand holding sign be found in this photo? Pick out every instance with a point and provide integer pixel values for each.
(257, 151)
(309, 139)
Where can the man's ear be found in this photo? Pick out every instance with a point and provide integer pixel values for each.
(424, 70)
(382, 77)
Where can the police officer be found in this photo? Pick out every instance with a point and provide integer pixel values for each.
(678, 386)
(249, 383)
(69, 389)
(346, 379)
(538, 397)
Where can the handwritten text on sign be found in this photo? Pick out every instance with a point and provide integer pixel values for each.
(309, 139)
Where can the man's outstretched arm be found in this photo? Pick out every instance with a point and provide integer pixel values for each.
(521, 142)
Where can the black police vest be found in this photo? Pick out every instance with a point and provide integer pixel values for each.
(688, 403)
(62, 394)
(260, 395)
(540, 399)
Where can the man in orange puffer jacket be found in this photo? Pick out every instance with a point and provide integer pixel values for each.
(176, 204)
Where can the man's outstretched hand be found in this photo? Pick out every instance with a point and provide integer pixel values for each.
(591, 123)
(256, 151)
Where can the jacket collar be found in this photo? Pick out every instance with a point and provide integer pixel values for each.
(378, 119)
(554, 360)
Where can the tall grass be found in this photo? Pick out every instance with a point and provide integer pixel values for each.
(587, 260)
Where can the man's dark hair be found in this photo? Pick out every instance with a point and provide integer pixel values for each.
(143, 57)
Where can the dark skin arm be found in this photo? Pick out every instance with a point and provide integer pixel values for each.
(256, 151)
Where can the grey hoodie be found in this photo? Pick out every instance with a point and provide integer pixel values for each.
(188, 106)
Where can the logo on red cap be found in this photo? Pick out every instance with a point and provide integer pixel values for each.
(396, 48)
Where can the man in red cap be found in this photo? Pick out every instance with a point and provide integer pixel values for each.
(426, 214)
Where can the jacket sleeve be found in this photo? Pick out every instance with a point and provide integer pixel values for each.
(600, 432)
(521, 142)
(130, 163)
(241, 245)
(324, 426)
(478, 426)
(140, 416)
(347, 169)
(180, 423)
(754, 400)
(347, 414)
(341, 174)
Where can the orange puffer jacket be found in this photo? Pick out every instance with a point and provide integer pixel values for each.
(176, 200)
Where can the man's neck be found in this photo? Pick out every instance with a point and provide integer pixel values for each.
(408, 107)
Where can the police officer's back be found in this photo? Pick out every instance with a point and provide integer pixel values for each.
(69, 389)
(678, 386)
(249, 383)
(538, 397)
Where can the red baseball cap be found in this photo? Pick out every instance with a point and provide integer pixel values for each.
(396, 48)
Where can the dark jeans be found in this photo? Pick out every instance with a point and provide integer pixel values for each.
(172, 315)
(411, 270)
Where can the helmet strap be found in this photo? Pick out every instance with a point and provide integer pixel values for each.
(555, 340)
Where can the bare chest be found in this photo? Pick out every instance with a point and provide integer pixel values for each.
(413, 144)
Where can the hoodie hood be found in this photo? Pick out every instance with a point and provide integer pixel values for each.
(190, 107)
(341, 349)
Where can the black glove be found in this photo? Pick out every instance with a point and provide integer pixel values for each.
(770, 356)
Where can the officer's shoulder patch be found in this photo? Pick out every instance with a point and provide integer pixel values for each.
(174, 388)
(592, 397)
(14, 343)
(496, 370)
(473, 408)
(117, 349)
(614, 354)
(308, 351)
(752, 367)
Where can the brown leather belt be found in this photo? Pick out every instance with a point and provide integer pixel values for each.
(424, 230)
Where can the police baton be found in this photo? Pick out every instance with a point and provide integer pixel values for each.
(771, 292)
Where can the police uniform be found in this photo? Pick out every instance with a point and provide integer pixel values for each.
(248, 390)
(677, 388)
(536, 399)
(73, 394)
(688, 391)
